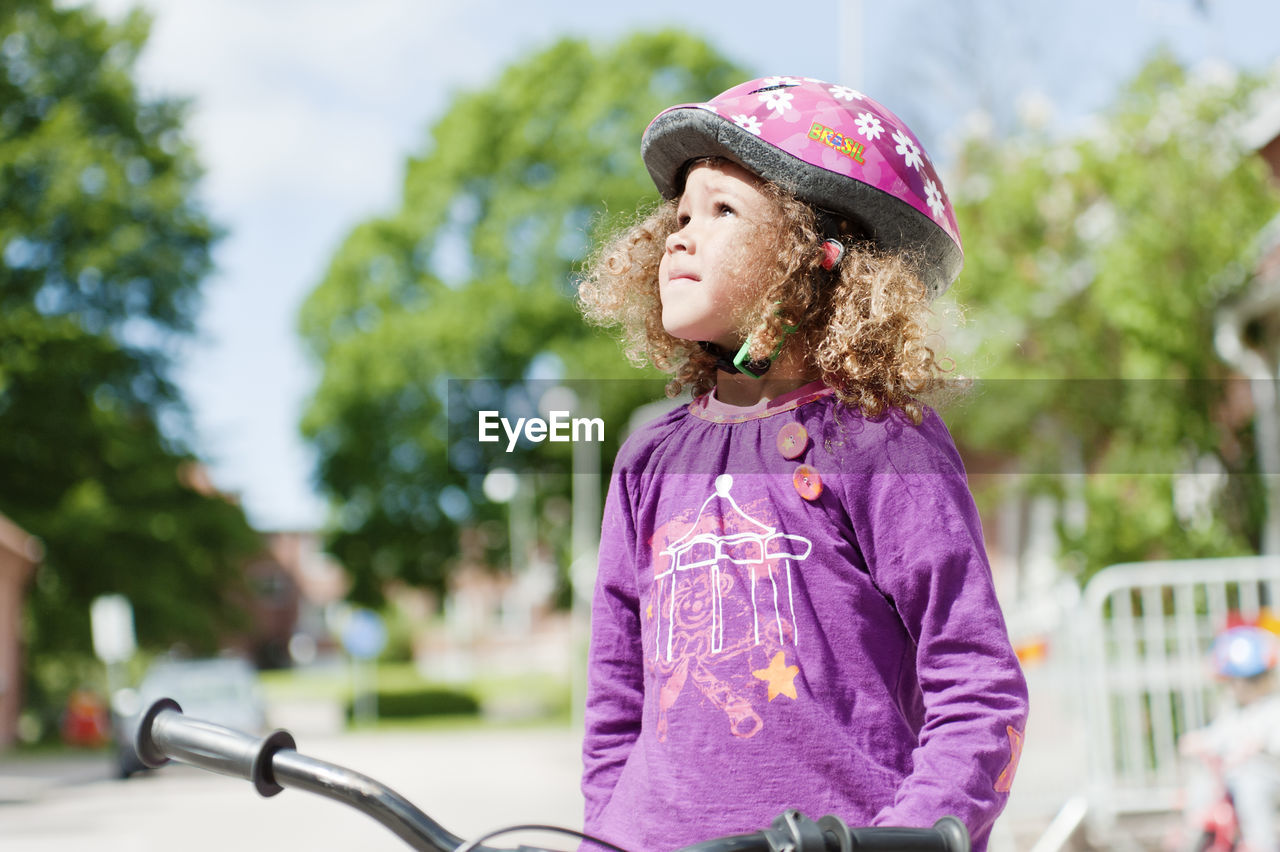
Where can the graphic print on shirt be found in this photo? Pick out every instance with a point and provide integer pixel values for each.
(715, 575)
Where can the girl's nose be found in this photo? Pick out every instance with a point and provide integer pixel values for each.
(678, 241)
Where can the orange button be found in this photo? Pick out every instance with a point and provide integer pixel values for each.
(792, 440)
(807, 482)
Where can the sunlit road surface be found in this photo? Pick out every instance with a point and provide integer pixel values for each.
(471, 781)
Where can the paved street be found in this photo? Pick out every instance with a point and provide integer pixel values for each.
(470, 781)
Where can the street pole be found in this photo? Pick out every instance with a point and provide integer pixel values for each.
(585, 540)
(850, 33)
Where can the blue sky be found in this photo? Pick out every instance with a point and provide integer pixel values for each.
(305, 110)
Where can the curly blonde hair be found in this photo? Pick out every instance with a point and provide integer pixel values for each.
(864, 326)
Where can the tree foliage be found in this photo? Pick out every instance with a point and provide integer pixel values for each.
(1095, 269)
(103, 246)
(472, 278)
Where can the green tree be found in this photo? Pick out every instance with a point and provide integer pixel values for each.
(103, 246)
(1094, 270)
(472, 278)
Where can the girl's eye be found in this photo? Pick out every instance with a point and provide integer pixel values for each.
(682, 219)
(723, 209)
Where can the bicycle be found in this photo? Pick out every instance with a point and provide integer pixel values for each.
(272, 764)
(1215, 826)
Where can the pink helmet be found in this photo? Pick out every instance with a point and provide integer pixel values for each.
(834, 147)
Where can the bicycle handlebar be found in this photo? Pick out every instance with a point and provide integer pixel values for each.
(272, 763)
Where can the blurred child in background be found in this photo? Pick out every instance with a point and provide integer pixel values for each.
(1240, 748)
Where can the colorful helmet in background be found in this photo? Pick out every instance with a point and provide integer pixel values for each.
(833, 147)
(1245, 651)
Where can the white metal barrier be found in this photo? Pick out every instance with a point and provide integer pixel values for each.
(1144, 635)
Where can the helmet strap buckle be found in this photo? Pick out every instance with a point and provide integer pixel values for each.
(742, 361)
(832, 252)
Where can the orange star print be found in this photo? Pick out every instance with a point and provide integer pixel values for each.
(1005, 782)
(780, 677)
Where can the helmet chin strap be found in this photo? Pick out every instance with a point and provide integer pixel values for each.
(833, 252)
(741, 362)
(737, 363)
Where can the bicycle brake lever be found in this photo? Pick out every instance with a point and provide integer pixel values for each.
(792, 831)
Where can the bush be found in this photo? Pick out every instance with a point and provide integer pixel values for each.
(417, 703)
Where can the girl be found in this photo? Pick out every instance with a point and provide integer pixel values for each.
(794, 608)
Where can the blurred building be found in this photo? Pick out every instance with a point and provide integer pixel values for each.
(493, 621)
(19, 555)
(320, 581)
(290, 584)
(1247, 332)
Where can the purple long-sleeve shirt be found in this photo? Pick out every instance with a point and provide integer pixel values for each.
(764, 638)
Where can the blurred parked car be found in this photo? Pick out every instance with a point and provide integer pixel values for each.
(223, 690)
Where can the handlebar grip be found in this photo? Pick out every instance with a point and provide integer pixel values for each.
(947, 835)
(164, 733)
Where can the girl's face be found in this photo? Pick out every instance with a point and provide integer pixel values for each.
(707, 279)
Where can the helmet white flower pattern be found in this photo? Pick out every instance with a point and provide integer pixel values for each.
(777, 100)
(749, 123)
(869, 126)
(909, 150)
(933, 197)
(844, 93)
